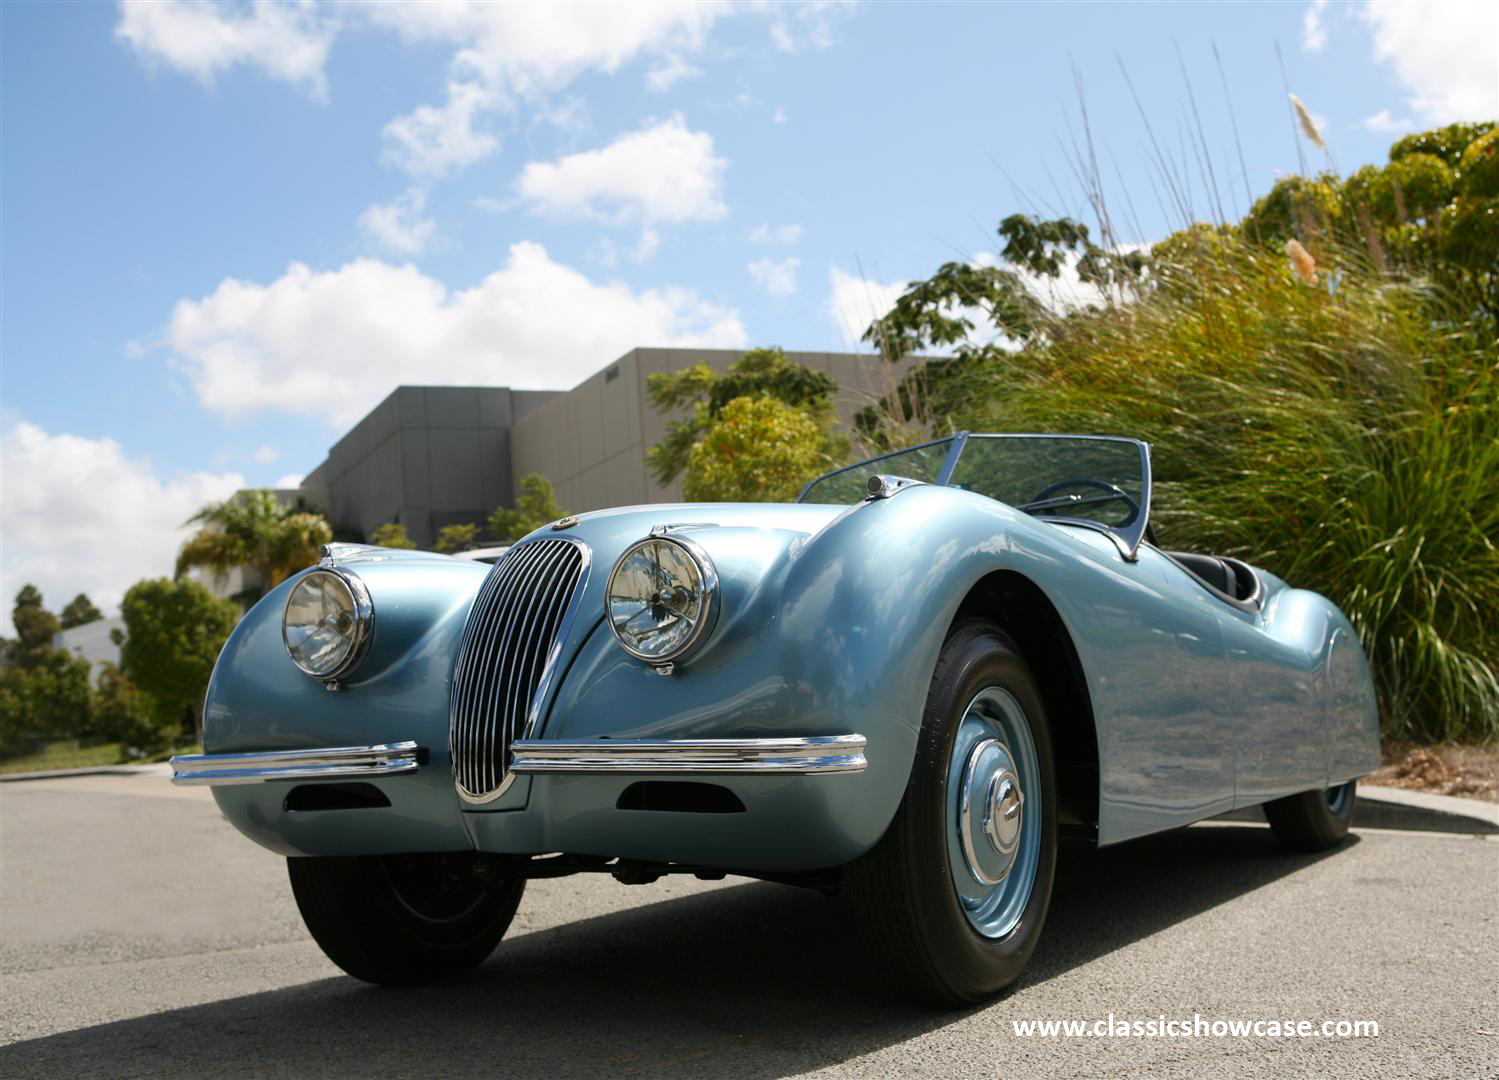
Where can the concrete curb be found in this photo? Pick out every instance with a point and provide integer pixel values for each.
(1377, 802)
(160, 768)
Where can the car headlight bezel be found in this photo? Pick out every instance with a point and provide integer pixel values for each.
(362, 625)
(708, 600)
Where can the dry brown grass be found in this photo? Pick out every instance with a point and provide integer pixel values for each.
(1448, 769)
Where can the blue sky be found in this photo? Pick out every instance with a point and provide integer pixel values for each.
(230, 229)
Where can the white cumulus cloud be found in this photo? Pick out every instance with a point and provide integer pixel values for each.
(506, 54)
(671, 70)
(287, 41)
(1386, 124)
(503, 55)
(331, 344)
(434, 140)
(1313, 32)
(808, 25)
(398, 225)
(1445, 54)
(855, 302)
(83, 516)
(662, 173)
(776, 276)
(775, 234)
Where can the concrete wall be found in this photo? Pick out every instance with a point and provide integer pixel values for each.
(591, 441)
(426, 456)
(429, 456)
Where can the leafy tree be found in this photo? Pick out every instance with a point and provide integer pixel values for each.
(980, 313)
(456, 538)
(49, 699)
(255, 531)
(757, 449)
(174, 631)
(125, 714)
(80, 610)
(534, 507)
(392, 535)
(705, 392)
(1447, 143)
(1432, 212)
(1297, 208)
(45, 691)
(35, 628)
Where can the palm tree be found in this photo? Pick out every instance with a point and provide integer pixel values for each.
(253, 530)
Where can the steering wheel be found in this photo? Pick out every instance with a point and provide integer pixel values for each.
(1047, 499)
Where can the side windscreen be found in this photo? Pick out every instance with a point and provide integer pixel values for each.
(1100, 480)
(850, 485)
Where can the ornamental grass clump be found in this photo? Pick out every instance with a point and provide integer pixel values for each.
(1345, 439)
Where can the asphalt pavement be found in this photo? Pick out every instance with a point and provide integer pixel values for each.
(140, 935)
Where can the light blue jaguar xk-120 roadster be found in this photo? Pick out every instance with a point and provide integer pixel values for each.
(908, 685)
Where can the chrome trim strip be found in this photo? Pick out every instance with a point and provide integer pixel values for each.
(815, 754)
(336, 762)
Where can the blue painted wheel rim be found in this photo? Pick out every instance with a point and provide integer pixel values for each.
(994, 812)
(1337, 797)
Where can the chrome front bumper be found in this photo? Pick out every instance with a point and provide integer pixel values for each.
(334, 763)
(815, 754)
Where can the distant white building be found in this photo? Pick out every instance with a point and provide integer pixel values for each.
(92, 641)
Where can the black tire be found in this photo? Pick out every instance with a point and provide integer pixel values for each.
(1313, 820)
(902, 891)
(403, 919)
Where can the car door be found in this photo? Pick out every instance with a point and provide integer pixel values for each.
(1161, 695)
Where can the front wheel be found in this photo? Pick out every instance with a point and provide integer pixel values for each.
(954, 895)
(1313, 820)
(406, 918)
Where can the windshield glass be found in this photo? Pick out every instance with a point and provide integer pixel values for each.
(1102, 480)
(848, 485)
(1098, 480)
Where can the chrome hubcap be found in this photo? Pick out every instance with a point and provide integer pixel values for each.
(1002, 815)
(994, 825)
(989, 811)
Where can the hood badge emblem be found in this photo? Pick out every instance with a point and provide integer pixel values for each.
(565, 523)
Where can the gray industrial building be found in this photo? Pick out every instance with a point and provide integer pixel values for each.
(429, 456)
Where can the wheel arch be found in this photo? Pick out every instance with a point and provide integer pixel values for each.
(1023, 610)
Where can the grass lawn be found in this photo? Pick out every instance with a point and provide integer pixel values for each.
(65, 754)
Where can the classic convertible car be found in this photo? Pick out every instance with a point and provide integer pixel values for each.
(909, 685)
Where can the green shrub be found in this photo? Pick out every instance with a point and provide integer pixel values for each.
(126, 715)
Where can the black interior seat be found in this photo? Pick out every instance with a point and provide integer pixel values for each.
(1209, 568)
(1229, 578)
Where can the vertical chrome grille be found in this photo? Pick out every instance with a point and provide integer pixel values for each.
(506, 659)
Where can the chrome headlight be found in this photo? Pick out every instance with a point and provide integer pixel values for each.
(327, 623)
(662, 598)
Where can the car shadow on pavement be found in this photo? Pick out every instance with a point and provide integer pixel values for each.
(752, 980)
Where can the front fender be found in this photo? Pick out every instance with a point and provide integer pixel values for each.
(832, 633)
(258, 700)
